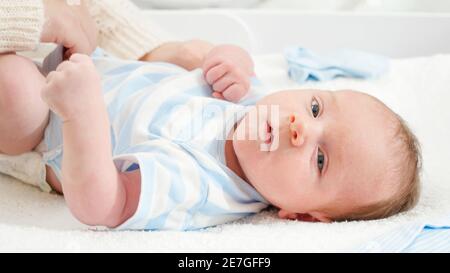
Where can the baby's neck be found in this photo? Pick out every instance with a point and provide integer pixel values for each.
(231, 159)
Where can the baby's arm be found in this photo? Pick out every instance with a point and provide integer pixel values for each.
(227, 68)
(96, 193)
(188, 54)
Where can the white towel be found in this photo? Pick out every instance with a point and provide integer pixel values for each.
(419, 89)
(28, 168)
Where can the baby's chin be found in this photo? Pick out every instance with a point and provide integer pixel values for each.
(245, 155)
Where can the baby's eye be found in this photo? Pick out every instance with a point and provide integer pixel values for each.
(315, 108)
(320, 160)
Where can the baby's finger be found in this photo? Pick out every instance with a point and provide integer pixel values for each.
(48, 92)
(51, 76)
(216, 73)
(64, 66)
(79, 58)
(209, 63)
(234, 93)
(218, 95)
(223, 83)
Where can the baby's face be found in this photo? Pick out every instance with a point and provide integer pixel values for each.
(315, 151)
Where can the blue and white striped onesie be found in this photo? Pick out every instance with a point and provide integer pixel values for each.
(165, 122)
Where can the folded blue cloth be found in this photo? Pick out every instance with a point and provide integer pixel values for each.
(305, 65)
(432, 236)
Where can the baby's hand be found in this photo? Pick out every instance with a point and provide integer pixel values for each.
(228, 69)
(74, 88)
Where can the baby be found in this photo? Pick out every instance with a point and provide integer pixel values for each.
(152, 146)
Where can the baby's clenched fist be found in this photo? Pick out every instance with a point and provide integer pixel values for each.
(74, 88)
(228, 69)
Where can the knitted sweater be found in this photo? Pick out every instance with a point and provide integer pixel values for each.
(123, 29)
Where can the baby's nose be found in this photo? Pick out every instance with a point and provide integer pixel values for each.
(296, 130)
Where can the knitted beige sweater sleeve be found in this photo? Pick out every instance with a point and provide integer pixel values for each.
(124, 29)
(21, 23)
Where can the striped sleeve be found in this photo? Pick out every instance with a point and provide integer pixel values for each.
(432, 236)
(171, 185)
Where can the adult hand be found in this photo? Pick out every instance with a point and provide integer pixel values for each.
(68, 23)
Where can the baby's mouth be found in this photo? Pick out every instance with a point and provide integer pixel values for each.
(269, 135)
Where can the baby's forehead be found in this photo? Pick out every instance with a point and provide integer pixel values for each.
(362, 107)
(364, 128)
(364, 142)
(357, 97)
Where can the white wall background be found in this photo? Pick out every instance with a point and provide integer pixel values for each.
(309, 5)
(270, 31)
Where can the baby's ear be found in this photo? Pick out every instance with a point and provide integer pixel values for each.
(306, 217)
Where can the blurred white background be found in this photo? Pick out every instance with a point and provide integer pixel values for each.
(308, 5)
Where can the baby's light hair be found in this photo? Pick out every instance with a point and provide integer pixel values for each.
(404, 169)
